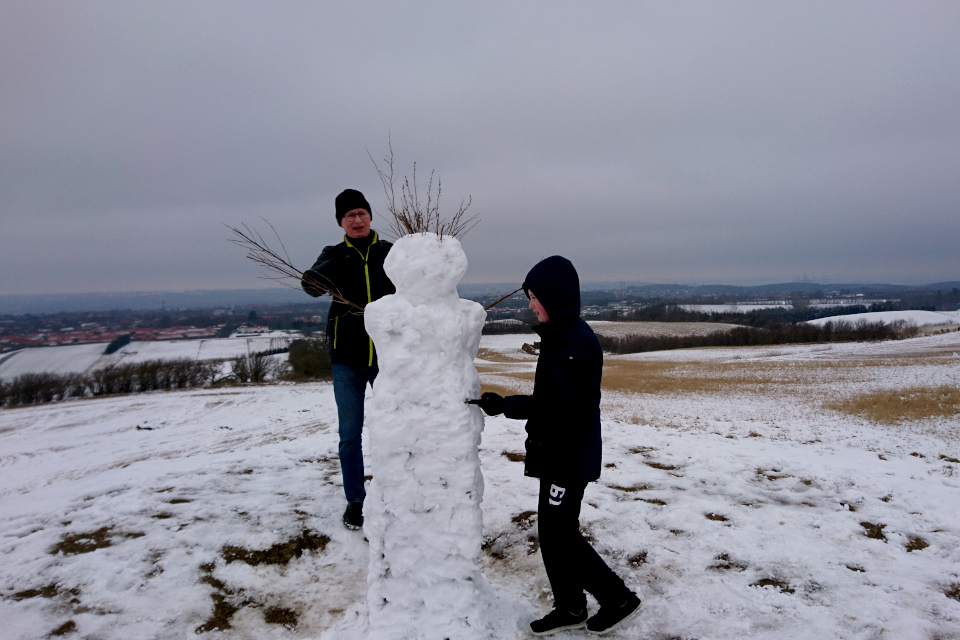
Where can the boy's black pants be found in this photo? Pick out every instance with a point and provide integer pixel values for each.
(572, 564)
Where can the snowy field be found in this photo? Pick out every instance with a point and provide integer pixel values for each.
(83, 358)
(658, 329)
(734, 500)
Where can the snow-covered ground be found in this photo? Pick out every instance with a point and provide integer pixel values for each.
(915, 317)
(743, 511)
(81, 358)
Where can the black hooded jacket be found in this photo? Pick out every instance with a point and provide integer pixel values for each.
(355, 269)
(563, 414)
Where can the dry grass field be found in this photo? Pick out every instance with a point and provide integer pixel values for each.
(836, 382)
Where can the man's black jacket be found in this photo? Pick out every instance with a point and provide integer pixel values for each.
(354, 270)
(563, 414)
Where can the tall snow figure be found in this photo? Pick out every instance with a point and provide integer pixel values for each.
(422, 511)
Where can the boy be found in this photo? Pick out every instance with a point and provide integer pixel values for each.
(563, 451)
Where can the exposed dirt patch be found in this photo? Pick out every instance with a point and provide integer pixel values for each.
(874, 531)
(278, 615)
(76, 543)
(953, 591)
(916, 543)
(631, 489)
(716, 517)
(512, 456)
(280, 553)
(524, 520)
(637, 559)
(773, 582)
(48, 591)
(723, 563)
(67, 627)
(662, 466)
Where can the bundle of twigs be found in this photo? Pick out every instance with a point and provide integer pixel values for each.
(278, 267)
(416, 213)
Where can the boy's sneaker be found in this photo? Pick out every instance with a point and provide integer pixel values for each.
(353, 516)
(610, 617)
(558, 620)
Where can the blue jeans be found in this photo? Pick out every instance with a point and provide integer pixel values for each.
(349, 385)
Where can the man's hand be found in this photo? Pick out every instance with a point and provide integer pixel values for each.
(491, 403)
(313, 283)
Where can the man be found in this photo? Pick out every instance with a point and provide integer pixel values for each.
(563, 451)
(353, 270)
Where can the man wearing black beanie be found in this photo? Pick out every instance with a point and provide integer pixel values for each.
(354, 270)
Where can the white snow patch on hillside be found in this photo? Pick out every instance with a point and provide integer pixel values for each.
(82, 358)
(914, 316)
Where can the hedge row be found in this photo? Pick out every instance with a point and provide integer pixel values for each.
(860, 331)
(150, 375)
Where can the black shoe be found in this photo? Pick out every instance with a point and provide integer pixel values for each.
(610, 617)
(558, 620)
(353, 516)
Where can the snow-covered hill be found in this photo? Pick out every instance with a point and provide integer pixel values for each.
(752, 511)
(914, 317)
(81, 358)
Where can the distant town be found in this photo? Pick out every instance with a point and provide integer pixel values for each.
(618, 302)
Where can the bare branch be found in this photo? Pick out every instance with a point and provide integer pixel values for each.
(501, 299)
(279, 268)
(414, 215)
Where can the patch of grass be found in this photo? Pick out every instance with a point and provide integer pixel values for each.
(524, 520)
(953, 591)
(67, 627)
(854, 567)
(278, 615)
(280, 553)
(494, 547)
(893, 406)
(637, 559)
(178, 501)
(874, 531)
(48, 591)
(916, 543)
(87, 542)
(223, 609)
(661, 466)
(773, 582)
(723, 563)
(772, 474)
(716, 517)
(513, 456)
(655, 501)
(949, 459)
(632, 489)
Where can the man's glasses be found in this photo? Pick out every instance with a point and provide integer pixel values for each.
(364, 215)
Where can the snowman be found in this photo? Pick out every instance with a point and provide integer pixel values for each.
(422, 512)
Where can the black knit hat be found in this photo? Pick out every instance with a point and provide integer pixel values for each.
(349, 200)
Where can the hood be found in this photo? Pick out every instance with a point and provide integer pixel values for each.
(555, 283)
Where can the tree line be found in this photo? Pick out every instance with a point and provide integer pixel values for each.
(780, 333)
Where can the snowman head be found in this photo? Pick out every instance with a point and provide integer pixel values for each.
(423, 267)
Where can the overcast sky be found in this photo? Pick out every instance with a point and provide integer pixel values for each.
(673, 142)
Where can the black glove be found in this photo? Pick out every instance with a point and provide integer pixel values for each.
(313, 283)
(491, 403)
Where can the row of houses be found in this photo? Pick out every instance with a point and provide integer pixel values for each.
(87, 335)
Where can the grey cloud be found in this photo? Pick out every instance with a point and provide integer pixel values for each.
(690, 141)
